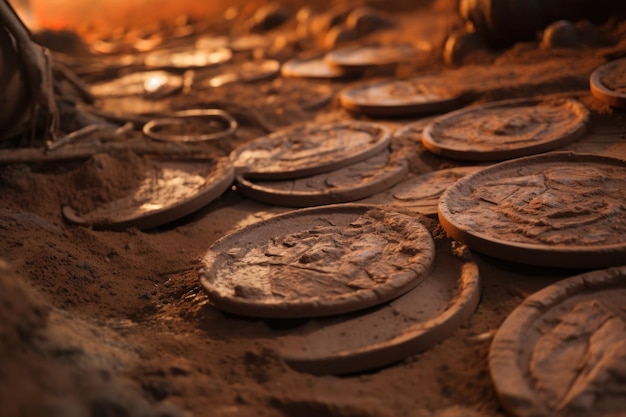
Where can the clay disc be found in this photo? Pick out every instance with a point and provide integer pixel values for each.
(506, 129)
(608, 83)
(310, 68)
(558, 209)
(317, 262)
(307, 150)
(144, 83)
(245, 72)
(405, 326)
(399, 98)
(420, 193)
(562, 352)
(188, 58)
(356, 58)
(170, 190)
(350, 183)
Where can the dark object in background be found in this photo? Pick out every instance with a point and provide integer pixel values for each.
(504, 22)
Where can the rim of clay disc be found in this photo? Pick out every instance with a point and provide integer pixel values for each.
(150, 129)
(347, 58)
(167, 58)
(505, 364)
(600, 256)
(600, 90)
(430, 133)
(223, 292)
(299, 68)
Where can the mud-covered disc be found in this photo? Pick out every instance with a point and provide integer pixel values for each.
(420, 193)
(562, 352)
(409, 324)
(608, 83)
(506, 129)
(143, 83)
(558, 209)
(399, 97)
(169, 190)
(355, 58)
(309, 149)
(310, 68)
(186, 58)
(350, 183)
(317, 262)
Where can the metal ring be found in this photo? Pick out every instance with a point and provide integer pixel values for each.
(174, 118)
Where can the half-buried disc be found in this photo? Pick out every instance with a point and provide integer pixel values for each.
(405, 326)
(310, 149)
(358, 58)
(187, 58)
(420, 193)
(562, 352)
(350, 183)
(169, 190)
(311, 68)
(558, 209)
(317, 262)
(506, 129)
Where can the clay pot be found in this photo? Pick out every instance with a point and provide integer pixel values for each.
(504, 22)
(14, 97)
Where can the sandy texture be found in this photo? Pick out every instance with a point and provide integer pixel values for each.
(133, 298)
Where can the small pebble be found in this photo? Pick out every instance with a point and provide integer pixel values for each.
(459, 45)
(338, 35)
(366, 20)
(268, 17)
(560, 34)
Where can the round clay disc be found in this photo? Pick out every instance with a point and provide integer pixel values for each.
(317, 262)
(349, 183)
(405, 326)
(420, 193)
(562, 352)
(144, 83)
(399, 98)
(506, 129)
(608, 83)
(245, 72)
(187, 58)
(309, 149)
(310, 68)
(363, 57)
(169, 191)
(558, 209)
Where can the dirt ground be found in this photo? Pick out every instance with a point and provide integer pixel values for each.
(102, 323)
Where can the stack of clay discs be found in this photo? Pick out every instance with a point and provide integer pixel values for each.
(339, 261)
(557, 209)
(506, 129)
(168, 191)
(608, 83)
(313, 165)
(419, 95)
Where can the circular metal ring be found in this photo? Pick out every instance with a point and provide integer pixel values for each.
(150, 129)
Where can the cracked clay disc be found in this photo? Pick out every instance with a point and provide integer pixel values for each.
(409, 324)
(420, 193)
(562, 352)
(506, 129)
(357, 58)
(399, 97)
(608, 83)
(362, 179)
(317, 262)
(558, 209)
(169, 190)
(310, 149)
